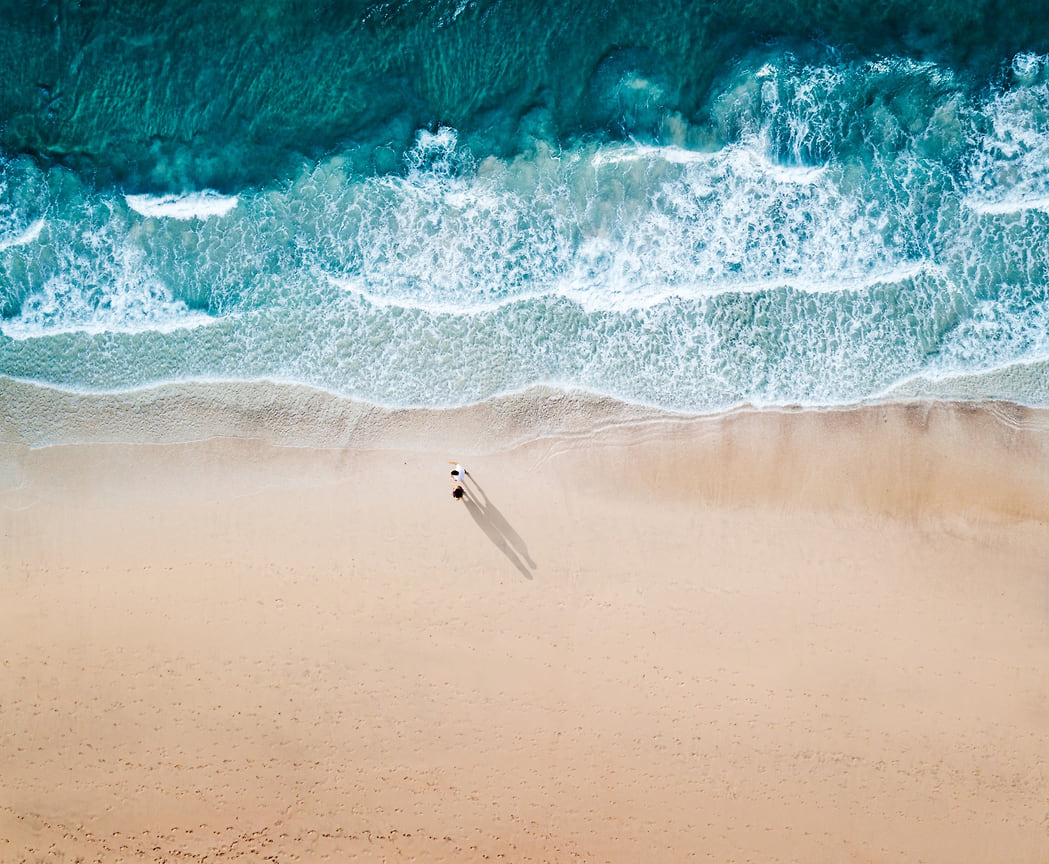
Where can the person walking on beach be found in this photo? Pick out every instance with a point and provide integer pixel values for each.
(458, 477)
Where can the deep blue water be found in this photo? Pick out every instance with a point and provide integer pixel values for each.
(691, 205)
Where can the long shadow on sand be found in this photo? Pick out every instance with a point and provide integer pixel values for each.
(495, 526)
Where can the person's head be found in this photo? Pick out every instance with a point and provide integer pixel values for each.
(455, 473)
(457, 492)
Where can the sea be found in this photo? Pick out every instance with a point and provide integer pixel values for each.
(693, 206)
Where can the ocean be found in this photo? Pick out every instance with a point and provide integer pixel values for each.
(690, 206)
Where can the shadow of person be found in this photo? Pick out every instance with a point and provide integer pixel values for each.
(497, 529)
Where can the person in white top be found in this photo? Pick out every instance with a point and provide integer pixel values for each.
(458, 477)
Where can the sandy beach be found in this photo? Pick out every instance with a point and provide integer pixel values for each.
(797, 636)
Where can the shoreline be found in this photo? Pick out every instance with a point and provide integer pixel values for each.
(910, 459)
(768, 635)
(292, 414)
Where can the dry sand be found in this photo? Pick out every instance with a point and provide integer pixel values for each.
(808, 636)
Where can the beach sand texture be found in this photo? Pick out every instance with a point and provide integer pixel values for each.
(766, 636)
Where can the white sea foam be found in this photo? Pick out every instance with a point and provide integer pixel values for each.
(611, 231)
(632, 296)
(673, 155)
(23, 237)
(34, 327)
(121, 296)
(1007, 205)
(356, 288)
(192, 205)
(755, 155)
(1027, 67)
(60, 308)
(1009, 168)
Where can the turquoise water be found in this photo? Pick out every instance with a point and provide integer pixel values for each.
(692, 206)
